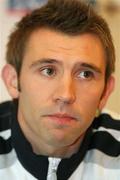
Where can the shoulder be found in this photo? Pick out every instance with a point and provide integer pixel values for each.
(5, 108)
(106, 135)
(113, 114)
(108, 121)
(5, 115)
(5, 131)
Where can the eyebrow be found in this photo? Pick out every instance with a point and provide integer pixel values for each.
(90, 66)
(55, 61)
(45, 61)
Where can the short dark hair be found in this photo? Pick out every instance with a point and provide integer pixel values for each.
(72, 17)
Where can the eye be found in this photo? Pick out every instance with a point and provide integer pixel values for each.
(86, 75)
(48, 71)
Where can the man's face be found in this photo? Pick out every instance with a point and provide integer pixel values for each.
(62, 83)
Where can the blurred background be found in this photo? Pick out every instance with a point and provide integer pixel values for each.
(11, 11)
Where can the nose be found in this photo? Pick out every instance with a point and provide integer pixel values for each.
(65, 92)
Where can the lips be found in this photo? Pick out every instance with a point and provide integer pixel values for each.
(62, 118)
(66, 116)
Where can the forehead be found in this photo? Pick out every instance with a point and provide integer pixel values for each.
(46, 43)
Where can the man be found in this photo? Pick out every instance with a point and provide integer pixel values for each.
(60, 60)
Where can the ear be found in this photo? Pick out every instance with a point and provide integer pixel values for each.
(9, 76)
(109, 87)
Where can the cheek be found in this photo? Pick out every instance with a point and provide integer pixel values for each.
(36, 90)
(88, 101)
(90, 94)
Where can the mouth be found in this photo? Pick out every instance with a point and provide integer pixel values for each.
(61, 118)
